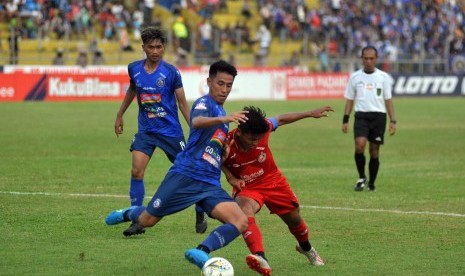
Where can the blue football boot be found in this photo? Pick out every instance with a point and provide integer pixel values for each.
(197, 257)
(116, 216)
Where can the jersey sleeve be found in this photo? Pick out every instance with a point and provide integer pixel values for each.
(388, 82)
(177, 82)
(349, 93)
(273, 122)
(200, 107)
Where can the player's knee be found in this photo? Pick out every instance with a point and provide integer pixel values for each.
(242, 223)
(137, 173)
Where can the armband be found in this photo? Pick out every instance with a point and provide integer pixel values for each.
(345, 119)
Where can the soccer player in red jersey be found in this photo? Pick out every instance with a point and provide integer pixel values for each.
(257, 181)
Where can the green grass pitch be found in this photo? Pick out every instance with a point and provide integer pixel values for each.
(62, 169)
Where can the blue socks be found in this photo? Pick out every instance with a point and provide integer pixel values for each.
(221, 236)
(137, 192)
(133, 214)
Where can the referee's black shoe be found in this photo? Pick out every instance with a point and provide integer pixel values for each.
(360, 185)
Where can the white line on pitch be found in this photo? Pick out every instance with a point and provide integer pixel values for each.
(385, 211)
(302, 206)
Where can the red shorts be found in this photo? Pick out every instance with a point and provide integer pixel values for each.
(279, 199)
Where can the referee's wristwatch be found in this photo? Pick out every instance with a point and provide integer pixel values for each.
(393, 122)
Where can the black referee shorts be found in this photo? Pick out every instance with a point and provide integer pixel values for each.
(371, 125)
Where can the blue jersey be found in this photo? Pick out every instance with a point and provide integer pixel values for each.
(201, 159)
(158, 110)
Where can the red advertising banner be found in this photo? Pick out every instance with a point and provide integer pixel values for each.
(67, 87)
(318, 85)
(19, 86)
(62, 87)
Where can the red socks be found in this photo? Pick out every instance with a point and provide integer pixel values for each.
(300, 232)
(253, 237)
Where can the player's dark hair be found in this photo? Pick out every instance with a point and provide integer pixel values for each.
(221, 66)
(256, 123)
(369, 47)
(150, 34)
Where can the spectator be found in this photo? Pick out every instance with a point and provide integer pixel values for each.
(13, 38)
(98, 58)
(148, 6)
(181, 34)
(206, 34)
(263, 37)
(246, 10)
(124, 42)
(181, 58)
(293, 61)
(58, 59)
(323, 57)
(82, 59)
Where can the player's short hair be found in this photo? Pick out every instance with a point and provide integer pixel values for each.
(150, 34)
(256, 123)
(369, 47)
(221, 66)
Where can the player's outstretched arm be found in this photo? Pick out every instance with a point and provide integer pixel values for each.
(203, 122)
(288, 118)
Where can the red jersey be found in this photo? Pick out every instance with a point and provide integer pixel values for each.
(256, 166)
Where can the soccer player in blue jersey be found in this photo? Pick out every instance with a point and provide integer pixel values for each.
(157, 85)
(196, 172)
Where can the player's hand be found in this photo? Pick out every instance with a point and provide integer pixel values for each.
(237, 117)
(119, 126)
(321, 112)
(392, 129)
(237, 183)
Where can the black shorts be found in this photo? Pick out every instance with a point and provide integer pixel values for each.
(371, 125)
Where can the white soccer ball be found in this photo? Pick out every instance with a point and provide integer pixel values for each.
(217, 266)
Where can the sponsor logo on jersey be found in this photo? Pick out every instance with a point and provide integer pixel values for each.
(212, 153)
(219, 137)
(262, 157)
(150, 98)
(252, 176)
(207, 157)
(157, 203)
(161, 82)
(200, 106)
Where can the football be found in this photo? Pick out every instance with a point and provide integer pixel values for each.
(217, 266)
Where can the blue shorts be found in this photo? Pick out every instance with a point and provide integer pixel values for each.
(148, 142)
(177, 192)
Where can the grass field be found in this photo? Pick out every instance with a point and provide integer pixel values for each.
(62, 170)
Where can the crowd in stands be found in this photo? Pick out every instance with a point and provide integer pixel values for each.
(400, 29)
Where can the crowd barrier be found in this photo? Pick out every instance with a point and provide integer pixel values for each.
(109, 83)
